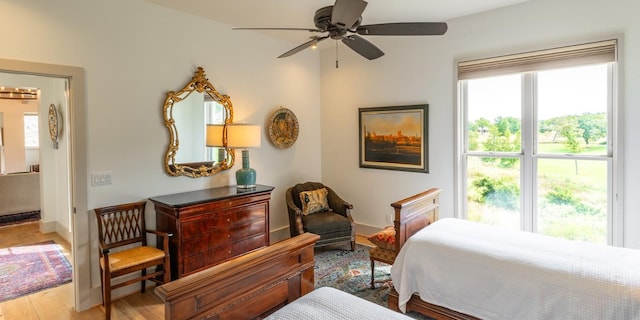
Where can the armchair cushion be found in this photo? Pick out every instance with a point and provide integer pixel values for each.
(326, 222)
(314, 201)
(385, 239)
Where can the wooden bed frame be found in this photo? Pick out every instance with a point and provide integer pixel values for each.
(248, 287)
(411, 215)
(257, 284)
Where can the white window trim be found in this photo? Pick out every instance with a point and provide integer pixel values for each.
(615, 214)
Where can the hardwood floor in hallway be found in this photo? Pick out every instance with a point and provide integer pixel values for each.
(57, 303)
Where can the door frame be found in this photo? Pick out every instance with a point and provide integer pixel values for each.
(81, 245)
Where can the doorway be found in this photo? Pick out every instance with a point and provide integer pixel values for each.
(59, 214)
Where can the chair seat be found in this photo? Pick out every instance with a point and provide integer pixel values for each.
(131, 257)
(382, 255)
(326, 222)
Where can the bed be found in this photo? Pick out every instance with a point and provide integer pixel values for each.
(468, 270)
(275, 282)
(328, 303)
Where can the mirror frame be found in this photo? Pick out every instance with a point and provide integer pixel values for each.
(199, 83)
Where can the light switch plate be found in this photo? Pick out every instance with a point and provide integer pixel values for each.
(100, 178)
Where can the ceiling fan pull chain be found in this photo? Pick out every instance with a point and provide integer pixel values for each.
(336, 54)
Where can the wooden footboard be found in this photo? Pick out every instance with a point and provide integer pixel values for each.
(251, 286)
(412, 215)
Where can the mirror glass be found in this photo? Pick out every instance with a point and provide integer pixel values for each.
(186, 114)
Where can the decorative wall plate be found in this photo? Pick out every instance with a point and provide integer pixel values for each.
(54, 130)
(283, 128)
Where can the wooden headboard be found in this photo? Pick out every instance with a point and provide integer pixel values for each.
(414, 213)
(248, 287)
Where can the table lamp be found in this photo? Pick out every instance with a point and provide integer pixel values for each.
(244, 136)
(215, 138)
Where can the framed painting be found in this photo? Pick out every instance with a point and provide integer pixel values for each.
(395, 138)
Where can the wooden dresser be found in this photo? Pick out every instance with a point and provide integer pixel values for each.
(212, 226)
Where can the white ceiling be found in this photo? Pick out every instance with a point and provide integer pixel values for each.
(299, 13)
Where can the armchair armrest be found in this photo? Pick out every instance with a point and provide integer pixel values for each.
(337, 204)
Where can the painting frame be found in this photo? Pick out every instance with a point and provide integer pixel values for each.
(394, 138)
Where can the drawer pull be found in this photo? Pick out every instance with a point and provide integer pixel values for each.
(228, 220)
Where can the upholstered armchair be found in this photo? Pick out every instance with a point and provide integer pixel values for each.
(312, 209)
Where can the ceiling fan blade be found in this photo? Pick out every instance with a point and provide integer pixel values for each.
(363, 47)
(302, 47)
(404, 29)
(286, 29)
(347, 12)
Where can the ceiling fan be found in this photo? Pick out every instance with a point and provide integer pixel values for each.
(342, 22)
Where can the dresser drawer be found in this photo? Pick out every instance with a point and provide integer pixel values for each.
(218, 236)
(223, 219)
(219, 254)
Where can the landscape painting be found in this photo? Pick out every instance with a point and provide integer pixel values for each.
(394, 138)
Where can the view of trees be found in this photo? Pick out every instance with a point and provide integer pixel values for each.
(569, 190)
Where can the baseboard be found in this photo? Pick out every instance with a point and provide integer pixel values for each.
(279, 234)
(366, 230)
(55, 226)
(282, 233)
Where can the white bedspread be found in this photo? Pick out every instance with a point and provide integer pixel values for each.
(328, 303)
(491, 273)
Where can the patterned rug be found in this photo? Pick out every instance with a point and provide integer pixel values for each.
(28, 269)
(351, 272)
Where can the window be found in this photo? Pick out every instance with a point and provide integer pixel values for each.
(31, 130)
(537, 150)
(214, 113)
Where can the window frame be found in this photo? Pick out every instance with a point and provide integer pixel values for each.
(528, 154)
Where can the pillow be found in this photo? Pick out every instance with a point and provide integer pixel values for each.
(385, 239)
(314, 201)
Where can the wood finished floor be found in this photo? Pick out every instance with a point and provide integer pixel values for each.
(57, 303)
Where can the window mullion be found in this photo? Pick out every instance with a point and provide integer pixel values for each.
(528, 173)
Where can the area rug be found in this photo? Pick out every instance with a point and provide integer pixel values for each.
(350, 271)
(31, 268)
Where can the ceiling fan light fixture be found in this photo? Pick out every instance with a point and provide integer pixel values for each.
(342, 21)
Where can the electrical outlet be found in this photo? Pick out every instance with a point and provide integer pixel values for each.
(101, 178)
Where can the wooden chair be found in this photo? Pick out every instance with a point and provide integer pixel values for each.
(124, 250)
(411, 215)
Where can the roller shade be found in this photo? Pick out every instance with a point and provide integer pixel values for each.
(576, 55)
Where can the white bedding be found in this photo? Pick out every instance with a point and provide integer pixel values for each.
(491, 273)
(328, 303)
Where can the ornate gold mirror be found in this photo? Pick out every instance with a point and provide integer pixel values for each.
(187, 114)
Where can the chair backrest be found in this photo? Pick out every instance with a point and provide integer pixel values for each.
(121, 225)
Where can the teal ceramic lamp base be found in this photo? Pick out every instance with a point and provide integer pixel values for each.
(245, 177)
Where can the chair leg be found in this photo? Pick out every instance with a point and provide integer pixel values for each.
(353, 245)
(106, 296)
(143, 282)
(167, 271)
(373, 265)
(102, 284)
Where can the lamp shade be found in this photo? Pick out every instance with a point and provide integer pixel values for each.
(214, 135)
(243, 136)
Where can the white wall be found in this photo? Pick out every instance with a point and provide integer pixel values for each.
(422, 70)
(13, 113)
(134, 52)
